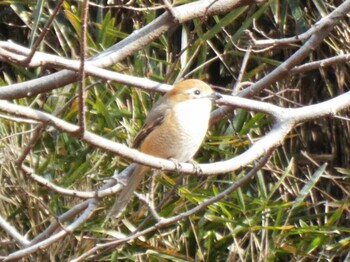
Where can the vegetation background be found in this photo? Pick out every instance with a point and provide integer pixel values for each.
(295, 209)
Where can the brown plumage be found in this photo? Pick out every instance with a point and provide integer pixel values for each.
(174, 129)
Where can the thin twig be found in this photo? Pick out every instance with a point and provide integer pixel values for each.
(70, 192)
(35, 137)
(242, 70)
(81, 94)
(43, 33)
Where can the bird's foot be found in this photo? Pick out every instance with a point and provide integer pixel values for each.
(196, 167)
(177, 164)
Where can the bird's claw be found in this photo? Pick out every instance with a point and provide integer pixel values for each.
(177, 164)
(196, 167)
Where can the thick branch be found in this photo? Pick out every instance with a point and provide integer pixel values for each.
(133, 43)
(286, 119)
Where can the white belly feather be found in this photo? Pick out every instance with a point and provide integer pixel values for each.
(193, 122)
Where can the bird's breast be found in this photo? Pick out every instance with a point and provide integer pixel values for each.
(191, 119)
(182, 132)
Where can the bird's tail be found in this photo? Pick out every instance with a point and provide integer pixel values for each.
(127, 192)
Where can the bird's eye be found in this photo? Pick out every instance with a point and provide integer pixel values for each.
(197, 92)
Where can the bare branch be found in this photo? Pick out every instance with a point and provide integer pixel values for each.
(162, 222)
(13, 232)
(111, 190)
(43, 33)
(53, 238)
(285, 120)
(126, 47)
(321, 30)
(81, 92)
(321, 63)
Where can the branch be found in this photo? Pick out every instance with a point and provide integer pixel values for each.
(47, 237)
(17, 53)
(285, 119)
(52, 239)
(44, 32)
(111, 190)
(319, 31)
(13, 232)
(79, 207)
(168, 221)
(321, 63)
(128, 46)
(81, 93)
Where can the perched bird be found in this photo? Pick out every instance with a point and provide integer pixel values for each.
(174, 129)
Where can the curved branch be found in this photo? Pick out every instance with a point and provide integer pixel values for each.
(319, 32)
(128, 46)
(68, 192)
(52, 239)
(18, 53)
(168, 221)
(285, 120)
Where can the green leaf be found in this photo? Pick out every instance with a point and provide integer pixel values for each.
(37, 15)
(309, 186)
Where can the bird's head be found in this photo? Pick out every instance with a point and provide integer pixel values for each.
(191, 89)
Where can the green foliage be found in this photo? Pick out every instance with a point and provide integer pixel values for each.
(295, 209)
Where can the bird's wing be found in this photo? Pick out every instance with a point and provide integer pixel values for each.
(154, 119)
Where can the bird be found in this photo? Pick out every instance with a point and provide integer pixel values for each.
(174, 129)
